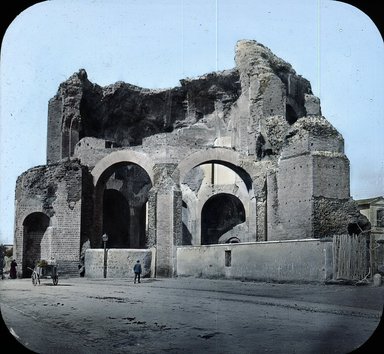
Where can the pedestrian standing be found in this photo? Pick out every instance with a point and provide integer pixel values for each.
(2, 263)
(137, 271)
(12, 271)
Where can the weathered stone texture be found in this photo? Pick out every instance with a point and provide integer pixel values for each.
(54, 129)
(42, 183)
(313, 134)
(330, 176)
(53, 191)
(125, 114)
(270, 87)
(333, 215)
(149, 166)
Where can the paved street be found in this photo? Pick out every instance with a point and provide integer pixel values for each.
(186, 315)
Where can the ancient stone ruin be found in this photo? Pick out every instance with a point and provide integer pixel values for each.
(241, 157)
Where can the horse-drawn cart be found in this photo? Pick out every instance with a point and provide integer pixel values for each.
(45, 270)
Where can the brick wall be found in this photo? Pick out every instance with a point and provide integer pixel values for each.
(54, 130)
(55, 191)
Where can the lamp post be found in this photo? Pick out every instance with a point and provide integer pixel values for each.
(105, 239)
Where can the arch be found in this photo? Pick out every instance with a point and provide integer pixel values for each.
(224, 156)
(249, 227)
(36, 221)
(221, 213)
(221, 190)
(123, 213)
(122, 156)
(242, 166)
(36, 240)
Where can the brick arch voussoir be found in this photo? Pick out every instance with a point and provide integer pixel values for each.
(27, 213)
(116, 157)
(224, 155)
(227, 157)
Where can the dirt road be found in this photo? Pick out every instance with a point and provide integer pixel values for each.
(186, 315)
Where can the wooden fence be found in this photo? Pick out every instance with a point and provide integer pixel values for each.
(350, 257)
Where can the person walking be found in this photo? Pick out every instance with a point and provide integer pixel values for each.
(137, 270)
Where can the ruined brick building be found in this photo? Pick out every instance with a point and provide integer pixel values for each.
(237, 157)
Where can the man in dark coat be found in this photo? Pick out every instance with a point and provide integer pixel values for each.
(12, 272)
(137, 270)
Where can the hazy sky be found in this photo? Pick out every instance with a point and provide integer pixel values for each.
(154, 44)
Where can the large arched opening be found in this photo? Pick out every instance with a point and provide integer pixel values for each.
(209, 173)
(220, 214)
(121, 197)
(214, 157)
(35, 227)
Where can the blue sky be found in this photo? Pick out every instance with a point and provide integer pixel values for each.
(154, 44)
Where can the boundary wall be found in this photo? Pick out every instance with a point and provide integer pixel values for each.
(120, 262)
(308, 260)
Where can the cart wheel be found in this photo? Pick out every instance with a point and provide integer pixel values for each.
(34, 279)
(55, 280)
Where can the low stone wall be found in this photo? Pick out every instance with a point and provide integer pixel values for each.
(308, 260)
(120, 262)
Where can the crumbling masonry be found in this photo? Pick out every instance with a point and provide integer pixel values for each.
(242, 155)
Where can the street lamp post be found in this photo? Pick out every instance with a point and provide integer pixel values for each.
(105, 239)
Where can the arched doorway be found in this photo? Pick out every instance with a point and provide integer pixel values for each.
(121, 206)
(202, 177)
(34, 240)
(221, 213)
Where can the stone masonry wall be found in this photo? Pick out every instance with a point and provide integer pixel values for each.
(55, 191)
(126, 114)
(290, 158)
(54, 130)
(293, 200)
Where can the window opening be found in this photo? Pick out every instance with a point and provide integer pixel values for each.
(228, 258)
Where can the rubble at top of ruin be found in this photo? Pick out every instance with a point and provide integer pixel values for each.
(261, 96)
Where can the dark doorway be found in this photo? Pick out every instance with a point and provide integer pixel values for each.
(35, 225)
(220, 214)
(121, 206)
(116, 219)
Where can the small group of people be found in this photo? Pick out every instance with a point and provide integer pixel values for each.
(136, 269)
(12, 270)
